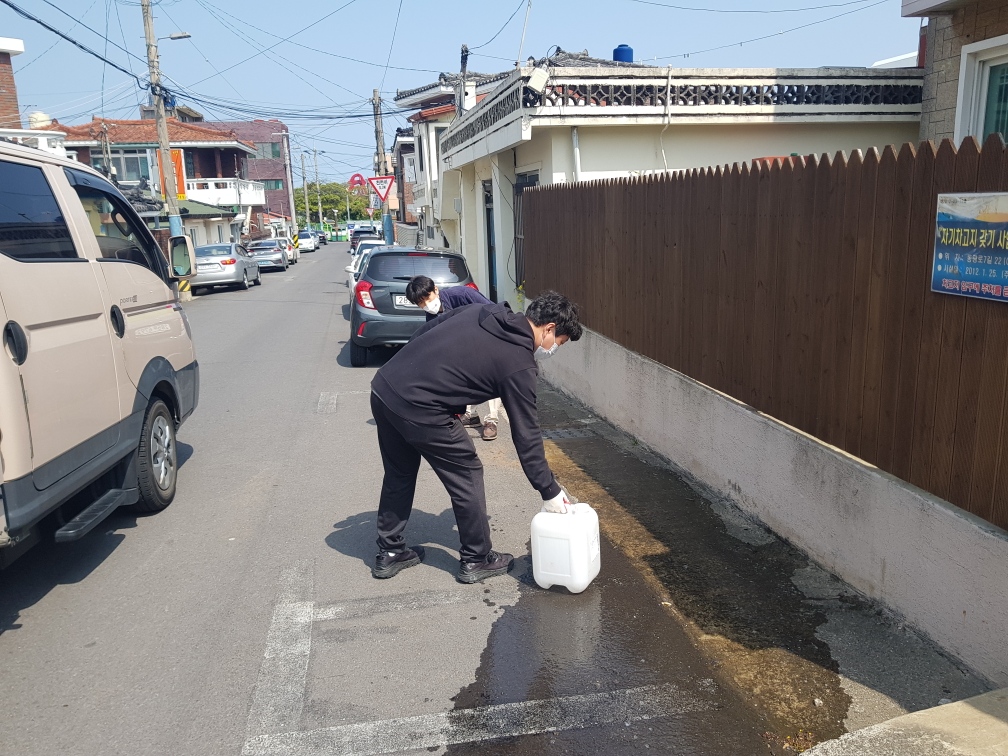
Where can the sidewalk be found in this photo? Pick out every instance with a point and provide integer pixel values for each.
(815, 658)
(975, 727)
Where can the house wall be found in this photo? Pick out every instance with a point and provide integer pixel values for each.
(10, 112)
(946, 35)
(932, 563)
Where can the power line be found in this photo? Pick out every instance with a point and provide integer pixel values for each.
(25, 14)
(510, 19)
(391, 45)
(108, 10)
(285, 39)
(770, 36)
(122, 33)
(93, 31)
(41, 54)
(748, 10)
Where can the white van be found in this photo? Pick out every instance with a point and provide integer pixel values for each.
(99, 368)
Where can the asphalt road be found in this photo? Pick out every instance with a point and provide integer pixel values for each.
(244, 619)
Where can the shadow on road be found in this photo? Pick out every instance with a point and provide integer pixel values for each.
(355, 537)
(48, 565)
(377, 356)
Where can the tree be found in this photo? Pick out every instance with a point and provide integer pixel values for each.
(334, 203)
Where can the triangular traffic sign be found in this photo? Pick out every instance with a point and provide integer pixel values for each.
(382, 185)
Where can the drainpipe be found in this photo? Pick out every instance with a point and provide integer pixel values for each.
(577, 154)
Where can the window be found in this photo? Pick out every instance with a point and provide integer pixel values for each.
(267, 150)
(436, 167)
(190, 163)
(442, 269)
(419, 149)
(116, 227)
(982, 105)
(273, 183)
(130, 165)
(31, 223)
(220, 233)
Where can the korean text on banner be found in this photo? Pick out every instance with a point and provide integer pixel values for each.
(971, 246)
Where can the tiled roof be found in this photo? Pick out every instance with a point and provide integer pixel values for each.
(564, 59)
(144, 132)
(450, 80)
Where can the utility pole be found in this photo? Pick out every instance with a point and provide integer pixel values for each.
(304, 184)
(383, 166)
(289, 173)
(318, 190)
(169, 183)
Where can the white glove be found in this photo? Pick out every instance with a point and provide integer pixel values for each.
(559, 504)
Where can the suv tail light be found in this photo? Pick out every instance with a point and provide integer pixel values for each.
(363, 293)
(471, 285)
(229, 261)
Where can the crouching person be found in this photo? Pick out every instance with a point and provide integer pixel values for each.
(416, 398)
(425, 294)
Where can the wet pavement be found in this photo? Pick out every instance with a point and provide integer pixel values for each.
(614, 636)
(809, 657)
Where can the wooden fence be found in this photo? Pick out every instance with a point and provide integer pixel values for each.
(803, 289)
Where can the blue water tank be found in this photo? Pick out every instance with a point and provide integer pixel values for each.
(623, 54)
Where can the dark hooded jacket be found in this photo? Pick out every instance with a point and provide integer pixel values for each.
(469, 355)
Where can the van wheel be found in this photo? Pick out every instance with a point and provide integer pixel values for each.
(358, 355)
(157, 459)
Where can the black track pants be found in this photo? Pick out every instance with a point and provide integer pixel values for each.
(450, 452)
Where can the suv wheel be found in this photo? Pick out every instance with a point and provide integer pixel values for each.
(157, 460)
(358, 354)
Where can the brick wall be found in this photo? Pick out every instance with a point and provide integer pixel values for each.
(10, 112)
(946, 36)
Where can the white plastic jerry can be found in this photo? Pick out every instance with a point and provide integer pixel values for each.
(565, 548)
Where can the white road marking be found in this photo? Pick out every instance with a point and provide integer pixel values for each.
(326, 403)
(481, 724)
(369, 607)
(279, 692)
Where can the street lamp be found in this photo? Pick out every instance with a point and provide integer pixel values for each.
(177, 35)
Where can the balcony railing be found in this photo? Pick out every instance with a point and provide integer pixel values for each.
(41, 139)
(649, 95)
(226, 192)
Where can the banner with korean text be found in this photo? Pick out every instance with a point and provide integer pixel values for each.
(971, 246)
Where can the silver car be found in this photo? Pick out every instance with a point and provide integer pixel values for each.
(270, 253)
(225, 265)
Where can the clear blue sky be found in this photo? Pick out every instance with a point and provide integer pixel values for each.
(68, 84)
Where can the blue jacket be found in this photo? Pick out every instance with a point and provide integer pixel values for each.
(458, 296)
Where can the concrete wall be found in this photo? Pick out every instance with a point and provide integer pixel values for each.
(946, 35)
(944, 570)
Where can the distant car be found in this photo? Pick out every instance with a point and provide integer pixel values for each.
(380, 313)
(360, 257)
(307, 240)
(358, 235)
(293, 253)
(225, 265)
(270, 253)
(323, 237)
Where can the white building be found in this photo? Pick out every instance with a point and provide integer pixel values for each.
(437, 110)
(572, 118)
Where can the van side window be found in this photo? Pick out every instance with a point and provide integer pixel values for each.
(112, 224)
(31, 222)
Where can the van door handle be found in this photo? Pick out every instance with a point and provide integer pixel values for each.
(15, 342)
(118, 321)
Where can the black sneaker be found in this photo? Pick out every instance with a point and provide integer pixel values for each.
(389, 563)
(494, 564)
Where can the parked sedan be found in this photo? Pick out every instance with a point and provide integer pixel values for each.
(270, 253)
(360, 257)
(380, 314)
(293, 253)
(307, 240)
(225, 265)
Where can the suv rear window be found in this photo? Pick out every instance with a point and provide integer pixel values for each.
(443, 269)
(264, 244)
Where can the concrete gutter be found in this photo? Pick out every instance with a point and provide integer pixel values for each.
(936, 565)
(977, 726)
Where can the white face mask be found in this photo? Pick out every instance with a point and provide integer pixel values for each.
(433, 306)
(544, 353)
